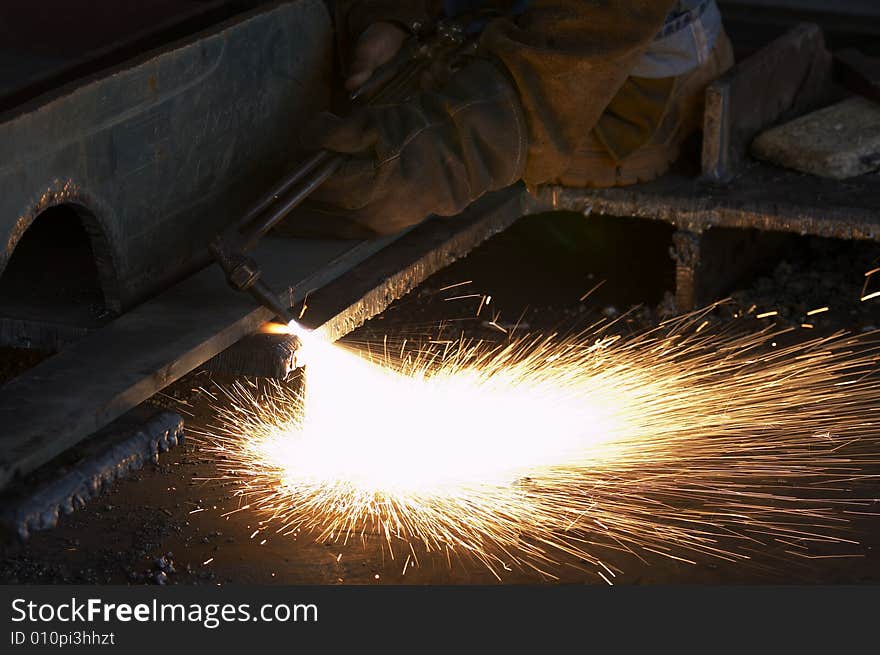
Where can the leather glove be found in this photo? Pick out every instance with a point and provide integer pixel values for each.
(433, 153)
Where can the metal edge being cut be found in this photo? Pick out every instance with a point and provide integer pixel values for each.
(64, 485)
(257, 355)
(338, 286)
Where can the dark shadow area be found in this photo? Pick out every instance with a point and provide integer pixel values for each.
(50, 292)
(554, 271)
(813, 272)
(752, 24)
(556, 258)
(733, 258)
(52, 275)
(45, 45)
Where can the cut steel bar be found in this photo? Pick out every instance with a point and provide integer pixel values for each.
(257, 355)
(793, 202)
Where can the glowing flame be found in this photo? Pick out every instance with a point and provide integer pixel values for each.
(461, 427)
(678, 442)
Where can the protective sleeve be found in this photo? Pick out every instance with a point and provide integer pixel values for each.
(568, 59)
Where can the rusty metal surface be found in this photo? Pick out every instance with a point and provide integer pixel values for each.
(685, 252)
(786, 78)
(709, 264)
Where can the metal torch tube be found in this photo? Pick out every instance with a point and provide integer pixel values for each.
(275, 212)
(303, 170)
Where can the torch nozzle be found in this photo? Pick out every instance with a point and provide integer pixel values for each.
(267, 298)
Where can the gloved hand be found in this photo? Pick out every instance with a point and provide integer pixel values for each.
(434, 153)
(375, 47)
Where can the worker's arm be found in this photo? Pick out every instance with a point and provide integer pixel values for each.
(520, 111)
(568, 59)
(433, 154)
